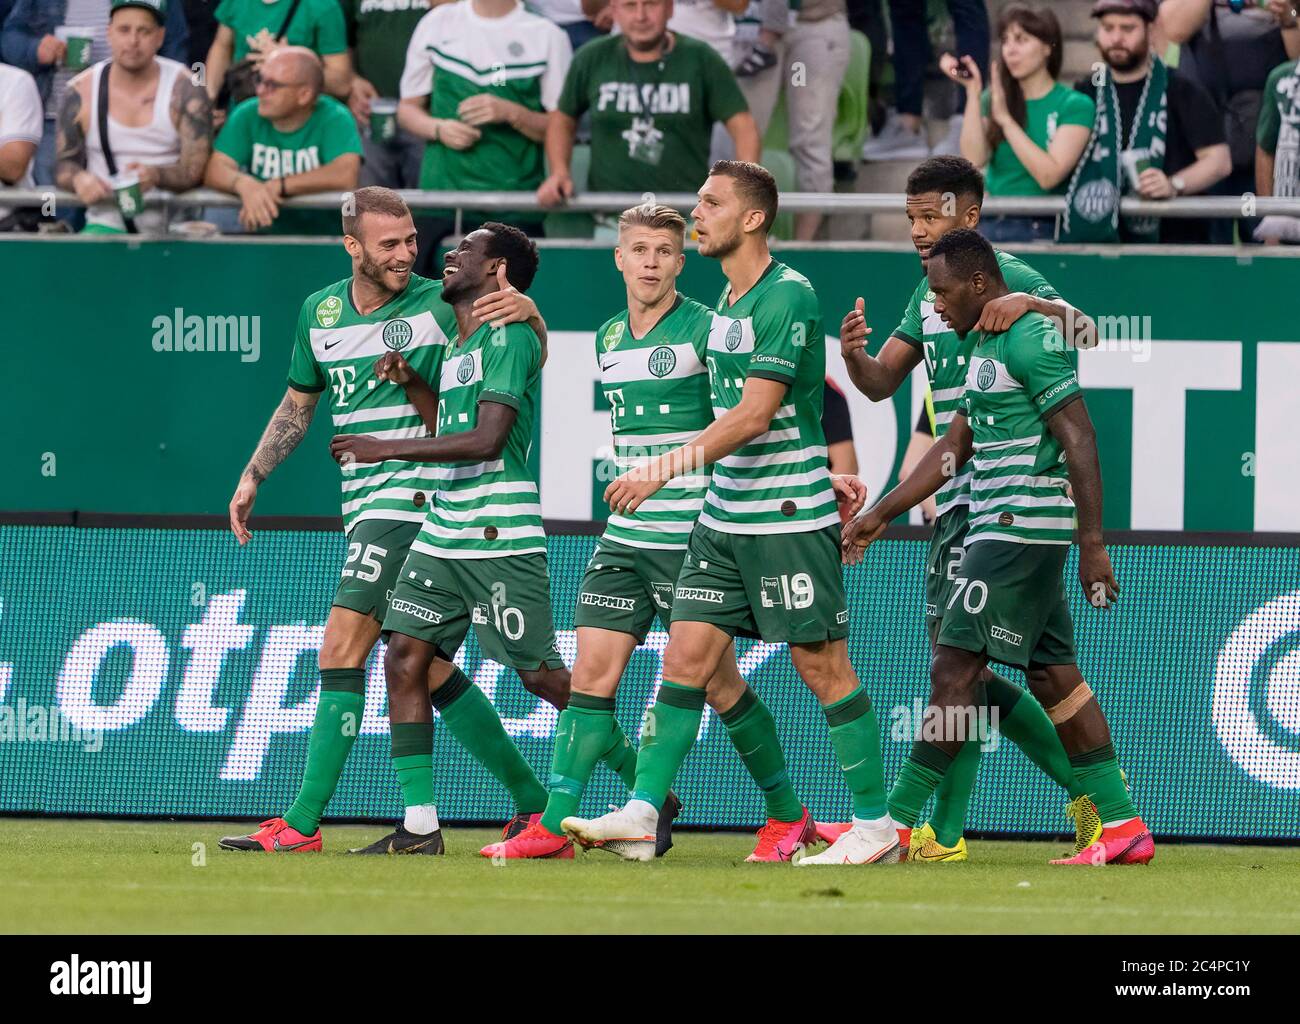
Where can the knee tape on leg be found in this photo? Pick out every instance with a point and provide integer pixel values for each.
(1069, 707)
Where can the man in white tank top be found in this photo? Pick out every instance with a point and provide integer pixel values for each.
(159, 121)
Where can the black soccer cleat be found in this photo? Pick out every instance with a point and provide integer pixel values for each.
(403, 841)
(667, 815)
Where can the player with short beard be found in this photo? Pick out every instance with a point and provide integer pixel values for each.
(372, 340)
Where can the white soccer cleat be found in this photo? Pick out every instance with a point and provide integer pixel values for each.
(859, 846)
(626, 831)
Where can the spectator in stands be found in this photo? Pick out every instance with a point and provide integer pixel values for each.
(290, 141)
(378, 35)
(662, 148)
(250, 30)
(710, 21)
(813, 56)
(20, 134)
(480, 77)
(1132, 151)
(158, 122)
(837, 426)
(580, 24)
(903, 136)
(1277, 158)
(1027, 130)
(29, 41)
(1230, 47)
(201, 17)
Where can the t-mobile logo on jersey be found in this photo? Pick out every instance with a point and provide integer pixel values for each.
(343, 381)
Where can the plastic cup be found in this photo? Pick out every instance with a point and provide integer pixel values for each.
(383, 120)
(79, 39)
(1135, 161)
(130, 200)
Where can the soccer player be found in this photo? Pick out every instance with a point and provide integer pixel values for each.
(480, 556)
(762, 558)
(653, 371)
(944, 193)
(371, 340)
(1024, 429)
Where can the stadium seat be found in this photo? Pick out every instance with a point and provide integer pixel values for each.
(573, 225)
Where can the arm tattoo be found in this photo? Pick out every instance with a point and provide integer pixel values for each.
(71, 141)
(286, 429)
(191, 110)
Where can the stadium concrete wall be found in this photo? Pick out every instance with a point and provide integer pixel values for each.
(111, 409)
(159, 672)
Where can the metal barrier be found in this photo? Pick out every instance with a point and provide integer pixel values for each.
(1246, 205)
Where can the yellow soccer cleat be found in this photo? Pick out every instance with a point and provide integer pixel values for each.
(925, 846)
(1087, 822)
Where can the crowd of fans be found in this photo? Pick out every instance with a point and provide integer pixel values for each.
(270, 99)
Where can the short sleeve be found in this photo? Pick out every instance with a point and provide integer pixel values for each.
(783, 325)
(305, 373)
(509, 364)
(331, 30)
(340, 134)
(573, 96)
(557, 67)
(1021, 277)
(1076, 108)
(909, 328)
(1270, 112)
(23, 118)
(226, 12)
(1037, 358)
(417, 73)
(236, 138)
(723, 97)
(1197, 114)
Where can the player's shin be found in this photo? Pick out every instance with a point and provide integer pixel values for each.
(1099, 774)
(666, 738)
(752, 730)
(856, 739)
(334, 731)
(474, 722)
(917, 780)
(582, 736)
(952, 797)
(619, 755)
(412, 746)
(1022, 720)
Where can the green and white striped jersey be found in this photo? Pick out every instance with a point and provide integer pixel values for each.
(779, 482)
(658, 393)
(1018, 484)
(947, 356)
(487, 509)
(336, 347)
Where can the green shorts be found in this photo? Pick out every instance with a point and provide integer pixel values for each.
(780, 587)
(943, 562)
(376, 550)
(625, 588)
(1009, 602)
(507, 600)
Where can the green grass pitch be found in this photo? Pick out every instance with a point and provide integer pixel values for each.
(110, 876)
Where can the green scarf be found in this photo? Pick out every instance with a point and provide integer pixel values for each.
(1099, 180)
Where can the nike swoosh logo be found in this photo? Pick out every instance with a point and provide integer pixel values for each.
(852, 766)
(746, 753)
(291, 846)
(330, 344)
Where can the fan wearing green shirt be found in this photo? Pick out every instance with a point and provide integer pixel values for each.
(253, 28)
(289, 141)
(1027, 129)
(1023, 431)
(654, 97)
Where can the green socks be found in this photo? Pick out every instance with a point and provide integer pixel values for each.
(413, 761)
(666, 738)
(582, 736)
(476, 725)
(338, 720)
(1022, 720)
(917, 780)
(753, 732)
(952, 798)
(1098, 772)
(620, 758)
(856, 739)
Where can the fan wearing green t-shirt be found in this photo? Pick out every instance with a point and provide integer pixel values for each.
(654, 97)
(289, 141)
(1026, 130)
(253, 28)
